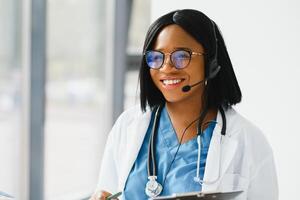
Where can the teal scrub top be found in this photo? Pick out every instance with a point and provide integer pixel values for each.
(180, 178)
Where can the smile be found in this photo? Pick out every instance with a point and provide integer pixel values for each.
(172, 82)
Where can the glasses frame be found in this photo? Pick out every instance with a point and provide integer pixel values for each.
(191, 53)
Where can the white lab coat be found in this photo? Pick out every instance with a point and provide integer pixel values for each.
(247, 160)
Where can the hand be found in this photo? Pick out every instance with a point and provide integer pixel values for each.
(101, 195)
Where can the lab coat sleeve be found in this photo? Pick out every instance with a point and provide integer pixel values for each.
(108, 176)
(263, 185)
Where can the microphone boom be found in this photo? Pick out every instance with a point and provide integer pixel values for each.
(187, 88)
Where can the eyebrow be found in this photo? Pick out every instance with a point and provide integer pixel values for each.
(183, 48)
(176, 48)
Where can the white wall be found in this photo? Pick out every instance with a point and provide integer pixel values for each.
(263, 40)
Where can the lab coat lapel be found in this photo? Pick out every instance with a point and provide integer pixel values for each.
(136, 132)
(220, 148)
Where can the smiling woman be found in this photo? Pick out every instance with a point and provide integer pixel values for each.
(168, 79)
(186, 136)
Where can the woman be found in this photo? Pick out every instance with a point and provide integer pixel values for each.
(185, 136)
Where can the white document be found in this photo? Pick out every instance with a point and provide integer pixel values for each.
(200, 196)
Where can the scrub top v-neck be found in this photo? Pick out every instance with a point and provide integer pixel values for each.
(180, 177)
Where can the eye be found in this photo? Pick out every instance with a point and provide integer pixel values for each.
(154, 59)
(153, 55)
(181, 58)
(181, 54)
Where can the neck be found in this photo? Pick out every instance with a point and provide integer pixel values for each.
(184, 112)
(182, 115)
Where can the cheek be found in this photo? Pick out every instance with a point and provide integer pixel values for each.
(196, 71)
(154, 76)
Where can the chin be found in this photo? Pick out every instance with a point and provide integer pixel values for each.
(182, 97)
(174, 99)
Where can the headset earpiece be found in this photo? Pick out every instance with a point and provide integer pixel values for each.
(214, 72)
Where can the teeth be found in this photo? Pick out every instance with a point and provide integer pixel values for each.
(170, 82)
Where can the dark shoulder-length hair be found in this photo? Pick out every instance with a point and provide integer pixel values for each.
(223, 89)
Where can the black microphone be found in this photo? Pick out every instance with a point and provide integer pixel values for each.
(187, 88)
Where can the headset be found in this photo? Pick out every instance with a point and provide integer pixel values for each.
(213, 66)
(153, 188)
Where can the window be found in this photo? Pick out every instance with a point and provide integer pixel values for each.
(10, 97)
(75, 97)
(139, 24)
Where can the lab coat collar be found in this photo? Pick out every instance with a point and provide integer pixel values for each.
(222, 149)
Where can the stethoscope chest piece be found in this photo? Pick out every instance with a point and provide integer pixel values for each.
(153, 188)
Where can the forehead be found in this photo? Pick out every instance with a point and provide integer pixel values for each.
(173, 36)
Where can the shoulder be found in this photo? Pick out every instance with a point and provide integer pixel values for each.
(131, 114)
(237, 122)
(248, 134)
(126, 124)
(131, 117)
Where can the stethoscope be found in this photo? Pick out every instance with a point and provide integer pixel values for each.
(153, 187)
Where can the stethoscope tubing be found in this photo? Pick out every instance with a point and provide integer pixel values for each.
(151, 149)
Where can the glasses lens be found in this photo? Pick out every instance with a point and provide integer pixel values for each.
(154, 59)
(180, 58)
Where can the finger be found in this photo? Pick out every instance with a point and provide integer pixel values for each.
(100, 195)
(104, 194)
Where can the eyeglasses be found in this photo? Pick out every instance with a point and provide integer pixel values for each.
(179, 58)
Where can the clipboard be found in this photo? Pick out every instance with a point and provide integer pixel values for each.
(201, 196)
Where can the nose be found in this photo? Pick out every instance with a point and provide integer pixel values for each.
(167, 65)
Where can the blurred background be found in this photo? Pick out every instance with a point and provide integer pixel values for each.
(68, 68)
